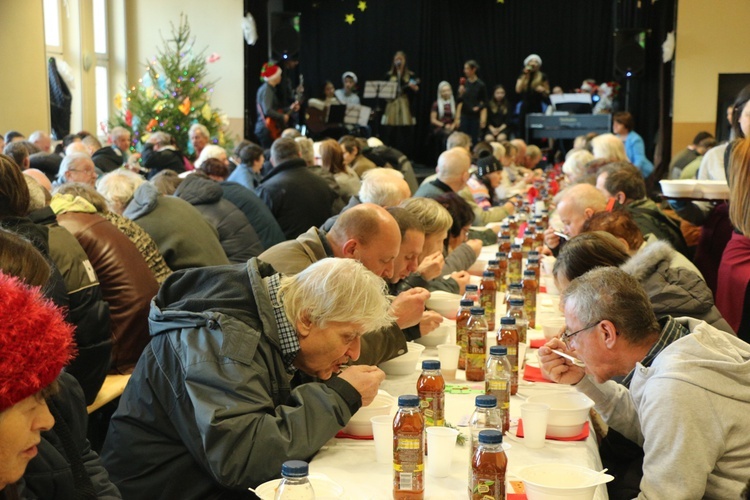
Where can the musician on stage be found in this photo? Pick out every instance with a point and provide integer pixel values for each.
(272, 118)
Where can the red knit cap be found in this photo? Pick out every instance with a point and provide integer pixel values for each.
(269, 69)
(35, 341)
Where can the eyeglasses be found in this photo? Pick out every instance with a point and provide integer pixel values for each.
(568, 336)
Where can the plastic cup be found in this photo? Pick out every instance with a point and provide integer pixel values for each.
(440, 441)
(534, 417)
(448, 356)
(382, 433)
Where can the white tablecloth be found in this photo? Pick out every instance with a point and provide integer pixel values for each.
(351, 463)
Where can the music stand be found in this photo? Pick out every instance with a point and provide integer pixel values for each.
(336, 114)
(575, 104)
(357, 115)
(381, 89)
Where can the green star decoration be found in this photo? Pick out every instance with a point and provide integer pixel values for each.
(349, 19)
(362, 6)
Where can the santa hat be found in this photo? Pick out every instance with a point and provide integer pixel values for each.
(35, 341)
(269, 69)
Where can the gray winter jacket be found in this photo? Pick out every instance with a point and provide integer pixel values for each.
(673, 290)
(210, 409)
(237, 237)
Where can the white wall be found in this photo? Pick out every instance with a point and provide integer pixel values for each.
(216, 25)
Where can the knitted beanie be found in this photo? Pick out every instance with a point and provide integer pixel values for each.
(35, 341)
(487, 165)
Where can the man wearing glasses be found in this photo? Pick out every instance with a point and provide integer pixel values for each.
(686, 391)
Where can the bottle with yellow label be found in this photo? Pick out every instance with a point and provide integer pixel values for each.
(408, 450)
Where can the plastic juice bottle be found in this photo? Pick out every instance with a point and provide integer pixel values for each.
(501, 275)
(488, 297)
(539, 235)
(515, 291)
(504, 230)
(503, 244)
(408, 450)
(530, 289)
(294, 482)
(431, 392)
(515, 263)
(508, 336)
(516, 310)
(528, 240)
(462, 320)
(488, 467)
(476, 344)
(486, 416)
(513, 223)
(471, 293)
(497, 381)
(533, 264)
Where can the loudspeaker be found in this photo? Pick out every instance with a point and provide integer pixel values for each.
(630, 54)
(285, 39)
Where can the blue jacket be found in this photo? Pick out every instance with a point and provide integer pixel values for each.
(257, 213)
(210, 409)
(636, 152)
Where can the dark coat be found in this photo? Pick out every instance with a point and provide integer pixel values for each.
(108, 158)
(184, 238)
(256, 212)
(164, 159)
(237, 237)
(87, 310)
(64, 449)
(297, 197)
(210, 409)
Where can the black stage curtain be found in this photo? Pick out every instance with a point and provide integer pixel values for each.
(573, 37)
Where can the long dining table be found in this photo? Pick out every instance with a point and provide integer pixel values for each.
(351, 463)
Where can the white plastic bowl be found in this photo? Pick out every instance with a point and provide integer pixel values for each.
(561, 482)
(717, 190)
(444, 303)
(323, 486)
(552, 327)
(359, 424)
(438, 336)
(568, 412)
(678, 188)
(405, 364)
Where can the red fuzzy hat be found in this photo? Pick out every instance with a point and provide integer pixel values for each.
(269, 69)
(35, 341)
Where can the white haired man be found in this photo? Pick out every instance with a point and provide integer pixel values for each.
(41, 140)
(112, 157)
(77, 167)
(239, 376)
(685, 394)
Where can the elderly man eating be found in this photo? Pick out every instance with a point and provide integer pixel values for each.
(238, 377)
(685, 395)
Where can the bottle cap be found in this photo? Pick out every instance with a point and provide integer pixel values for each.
(516, 302)
(498, 350)
(533, 253)
(533, 258)
(488, 274)
(490, 436)
(528, 232)
(515, 247)
(514, 285)
(431, 364)
(501, 255)
(476, 311)
(408, 401)
(505, 225)
(529, 272)
(471, 287)
(467, 302)
(294, 468)
(493, 262)
(507, 321)
(486, 401)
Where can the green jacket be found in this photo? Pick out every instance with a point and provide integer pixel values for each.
(210, 409)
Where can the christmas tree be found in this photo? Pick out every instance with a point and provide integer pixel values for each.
(172, 95)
